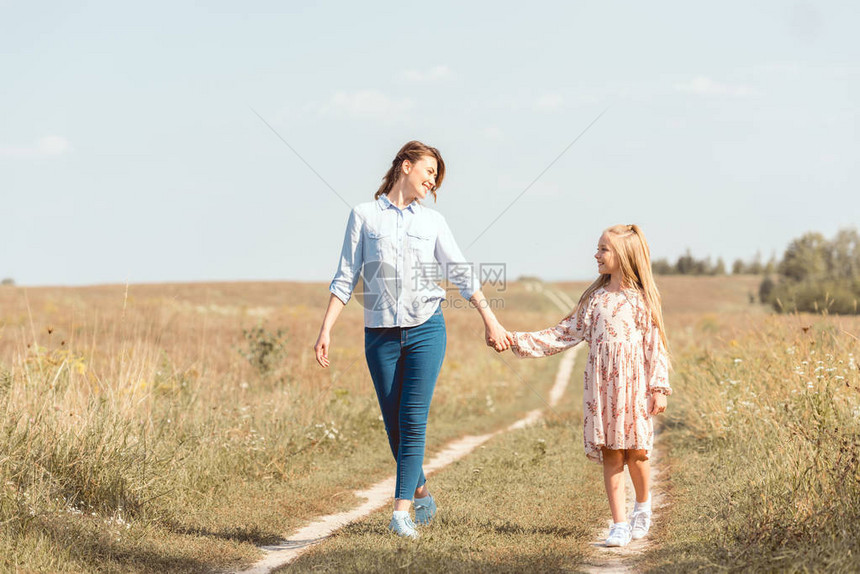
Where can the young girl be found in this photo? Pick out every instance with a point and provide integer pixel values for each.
(626, 377)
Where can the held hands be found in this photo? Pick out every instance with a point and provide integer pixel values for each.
(321, 348)
(657, 403)
(497, 337)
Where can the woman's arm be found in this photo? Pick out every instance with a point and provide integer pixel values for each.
(494, 333)
(335, 306)
(461, 273)
(347, 275)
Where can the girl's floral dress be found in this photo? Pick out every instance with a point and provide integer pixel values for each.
(627, 362)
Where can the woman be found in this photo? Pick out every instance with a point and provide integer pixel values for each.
(394, 245)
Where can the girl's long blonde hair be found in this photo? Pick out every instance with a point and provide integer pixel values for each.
(633, 253)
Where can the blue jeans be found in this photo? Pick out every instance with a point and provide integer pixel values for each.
(404, 363)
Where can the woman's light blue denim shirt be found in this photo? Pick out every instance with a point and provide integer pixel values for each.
(396, 257)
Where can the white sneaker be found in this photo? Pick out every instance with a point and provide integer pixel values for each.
(403, 527)
(619, 534)
(640, 522)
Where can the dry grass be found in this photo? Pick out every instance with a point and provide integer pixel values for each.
(763, 442)
(134, 422)
(527, 501)
(153, 429)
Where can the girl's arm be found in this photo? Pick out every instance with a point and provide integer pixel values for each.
(335, 306)
(656, 370)
(568, 333)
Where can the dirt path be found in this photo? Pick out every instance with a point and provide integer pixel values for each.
(379, 494)
(607, 560)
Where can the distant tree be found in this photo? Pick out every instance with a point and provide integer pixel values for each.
(844, 260)
(720, 267)
(756, 267)
(739, 267)
(686, 265)
(805, 258)
(817, 275)
(662, 267)
(770, 266)
(765, 290)
(7, 281)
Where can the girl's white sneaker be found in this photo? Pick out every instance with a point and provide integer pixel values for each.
(640, 523)
(619, 534)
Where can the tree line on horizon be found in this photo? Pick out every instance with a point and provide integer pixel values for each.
(687, 264)
(817, 275)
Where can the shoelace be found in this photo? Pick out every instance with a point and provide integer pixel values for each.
(615, 531)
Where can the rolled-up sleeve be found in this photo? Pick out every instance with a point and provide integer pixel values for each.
(454, 265)
(349, 267)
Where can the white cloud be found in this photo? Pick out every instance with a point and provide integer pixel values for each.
(549, 102)
(435, 74)
(47, 146)
(363, 104)
(704, 86)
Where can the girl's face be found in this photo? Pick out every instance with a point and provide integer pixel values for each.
(420, 176)
(607, 259)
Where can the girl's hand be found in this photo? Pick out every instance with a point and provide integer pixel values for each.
(321, 348)
(496, 336)
(657, 403)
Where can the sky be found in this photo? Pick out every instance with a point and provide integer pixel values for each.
(212, 141)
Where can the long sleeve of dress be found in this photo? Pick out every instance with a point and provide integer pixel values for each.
(568, 333)
(656, 361)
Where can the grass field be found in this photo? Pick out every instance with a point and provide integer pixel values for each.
(176, 427)
(173, 428)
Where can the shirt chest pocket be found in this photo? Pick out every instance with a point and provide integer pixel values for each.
(422, 243)
(378, 245)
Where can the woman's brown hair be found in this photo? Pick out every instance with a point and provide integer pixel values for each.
(411, 151)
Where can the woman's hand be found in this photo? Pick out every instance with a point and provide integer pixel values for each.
(657, 403)
(497, 336)
(494, 333)
(321, 348)
(335, 306)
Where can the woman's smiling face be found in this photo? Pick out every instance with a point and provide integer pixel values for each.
(421, 176)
